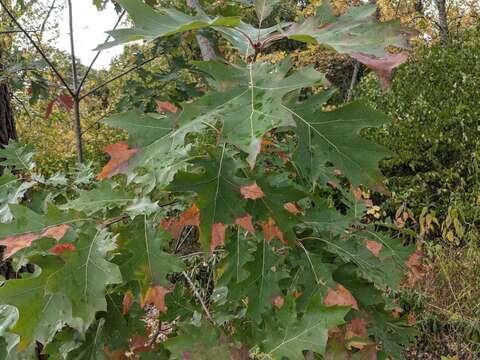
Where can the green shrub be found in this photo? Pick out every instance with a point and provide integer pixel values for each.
(434, 136)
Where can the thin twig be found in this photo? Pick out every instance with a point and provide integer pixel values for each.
(84, 78)
(22, 104)
(197, 295)
(44, 23)
(35, 45)
(90, 92)
(76, 101)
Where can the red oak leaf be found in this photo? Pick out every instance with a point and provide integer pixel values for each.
(384, 66)
(120, 156)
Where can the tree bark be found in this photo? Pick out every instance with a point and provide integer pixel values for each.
(442, 20)
(7, 121)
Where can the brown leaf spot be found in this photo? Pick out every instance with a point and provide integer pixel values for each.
(270, 231)
(341, 297)
(293, 208)
(252, 191)
(17, 242)
(373, 246)
(61, 248)
(278, 301)
(166, 106)
(156, 296)
(414, 264)
(120, 155)
(218, 235)
(245, 222)
(356, 328)
(127, 302)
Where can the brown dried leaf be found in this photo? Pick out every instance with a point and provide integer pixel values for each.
(373, 246)
(414, 264)
(191, 217)
(356, 328)
(156, 296)
(252, 191)
(341, 297)
(18, 242)
(120, 156)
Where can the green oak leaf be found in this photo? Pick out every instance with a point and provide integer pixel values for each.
(291, 335)
(394, 334)
(263, 282)
(313, 274)
(150, 24)
(17, 155)
(236, 36)
(385, 270)
(28, 221)
(197, 343)
(101, 198)
(86, 274)
(247, 101)
(355, 31)
(41, 313)
(214, 181)
(322, 217)
(93, 347)
(147, 263)
(11, 192)
(239, 253)
(264, 8)
(162, 152)
(334, 137)
(272, 205)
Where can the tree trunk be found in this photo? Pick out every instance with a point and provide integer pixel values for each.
(7, 123)
(442, 19)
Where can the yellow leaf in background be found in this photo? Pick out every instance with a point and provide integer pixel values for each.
(450, 357)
